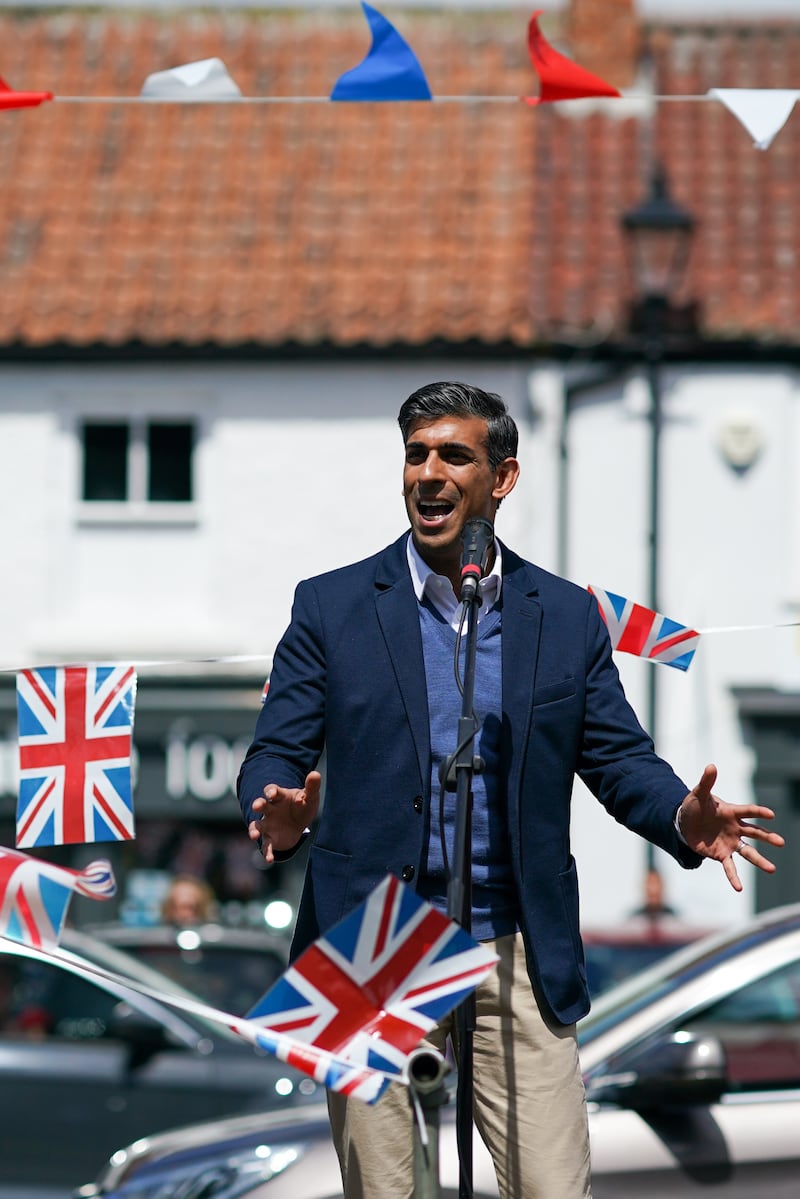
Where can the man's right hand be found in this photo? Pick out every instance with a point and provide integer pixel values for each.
(282, 816)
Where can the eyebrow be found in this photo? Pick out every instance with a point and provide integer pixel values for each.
(445, 445)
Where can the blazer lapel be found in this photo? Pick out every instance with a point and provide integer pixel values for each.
(396, 606)
(522, 620)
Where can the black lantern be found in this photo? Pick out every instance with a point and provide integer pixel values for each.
(659, 234)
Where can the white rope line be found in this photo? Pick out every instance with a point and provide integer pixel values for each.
(478, 99)
(140, 662)
(749, 628)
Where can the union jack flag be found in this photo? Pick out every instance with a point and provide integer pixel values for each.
(371, 988)
(34, 895)
(641, 631)
(75, 730)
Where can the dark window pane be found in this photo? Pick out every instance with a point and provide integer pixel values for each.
(759, 1026)
(169, 455)
(105, 461)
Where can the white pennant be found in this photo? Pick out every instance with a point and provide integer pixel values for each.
(762, 111)
(204, 80)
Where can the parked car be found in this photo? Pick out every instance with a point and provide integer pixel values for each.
(87, 1065)
(614, 954)
(258, 1157)
(230, 968)
(692, 1072)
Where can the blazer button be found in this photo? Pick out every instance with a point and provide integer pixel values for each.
(407, 873)
(418, 803)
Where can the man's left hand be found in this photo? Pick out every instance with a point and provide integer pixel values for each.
(716, 829)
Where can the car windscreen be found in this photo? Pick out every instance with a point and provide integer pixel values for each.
(142, 977)
(665, 976)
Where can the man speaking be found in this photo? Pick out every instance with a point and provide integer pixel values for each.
(365, 670)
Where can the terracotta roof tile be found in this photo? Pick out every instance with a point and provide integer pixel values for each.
(372, 224)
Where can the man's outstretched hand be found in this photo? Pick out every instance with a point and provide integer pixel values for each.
(716, 829)
(283, 814)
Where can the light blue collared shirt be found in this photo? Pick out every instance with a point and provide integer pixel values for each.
(439, 590)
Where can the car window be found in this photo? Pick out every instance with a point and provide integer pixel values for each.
(229, 979)
(42, 1002)
(623, 1001)
(759, 1026)
(607, 965)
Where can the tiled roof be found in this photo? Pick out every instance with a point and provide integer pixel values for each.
(392, 224)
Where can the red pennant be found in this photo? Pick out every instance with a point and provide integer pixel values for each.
(11, 99)
(559, 77)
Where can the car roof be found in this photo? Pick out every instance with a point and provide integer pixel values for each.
(645, 930)
(208, 935)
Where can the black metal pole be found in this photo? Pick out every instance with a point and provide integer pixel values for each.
(654, 351)
(459, 899)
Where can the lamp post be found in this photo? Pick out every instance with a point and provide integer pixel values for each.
(658, 235)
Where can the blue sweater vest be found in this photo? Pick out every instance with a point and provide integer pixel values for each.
(494, 903)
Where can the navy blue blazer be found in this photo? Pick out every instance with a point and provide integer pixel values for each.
(348, 679)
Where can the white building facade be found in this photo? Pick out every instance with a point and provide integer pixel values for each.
(295, 467)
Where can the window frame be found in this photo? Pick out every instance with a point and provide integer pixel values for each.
(137, 508)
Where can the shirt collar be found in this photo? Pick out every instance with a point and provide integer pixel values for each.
(427, 582)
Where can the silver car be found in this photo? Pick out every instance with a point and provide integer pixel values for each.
(692, 1073)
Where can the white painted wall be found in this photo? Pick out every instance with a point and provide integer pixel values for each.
(299, 469)
(729, 557)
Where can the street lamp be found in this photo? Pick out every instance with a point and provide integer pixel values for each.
(658, 235)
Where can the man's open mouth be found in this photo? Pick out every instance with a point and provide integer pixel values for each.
(434, 510)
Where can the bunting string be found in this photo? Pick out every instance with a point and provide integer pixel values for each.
(143, 662)
(630, 97)
(253, 659)
(391, 71)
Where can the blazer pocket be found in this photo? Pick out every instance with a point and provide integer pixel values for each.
(330, 875)
(549, 693)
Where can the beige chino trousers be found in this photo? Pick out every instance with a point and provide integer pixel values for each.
(529, 1103)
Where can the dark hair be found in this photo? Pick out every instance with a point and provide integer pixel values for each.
(435, 400)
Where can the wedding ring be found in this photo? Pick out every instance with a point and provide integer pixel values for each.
(742, 845)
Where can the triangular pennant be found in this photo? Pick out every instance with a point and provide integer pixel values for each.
(634, 629)
(204, 80)
(762, 111)
(559, 77)
(34, 896)
(11, 99)
(391, 70)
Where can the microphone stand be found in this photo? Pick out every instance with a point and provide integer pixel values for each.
(427, 1092)
(459, 891)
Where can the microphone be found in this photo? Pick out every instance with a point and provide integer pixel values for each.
(477, 539)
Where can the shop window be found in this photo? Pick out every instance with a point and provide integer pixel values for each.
(138, 462)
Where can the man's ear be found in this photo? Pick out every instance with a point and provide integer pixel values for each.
(506, 477)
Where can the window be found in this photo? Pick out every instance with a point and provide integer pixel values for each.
(169, 462)
(105, 462)
(138, 462)
(759, 1026)
(44, 1002)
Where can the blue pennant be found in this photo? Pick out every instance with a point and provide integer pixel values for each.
(391, 70)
